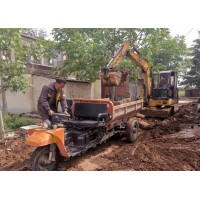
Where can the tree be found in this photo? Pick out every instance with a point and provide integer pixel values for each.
(15, 53)
(172, 55)
(89, 49)
(10, 68)
(192, 78)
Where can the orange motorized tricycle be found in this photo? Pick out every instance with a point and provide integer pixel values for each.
(93, 122)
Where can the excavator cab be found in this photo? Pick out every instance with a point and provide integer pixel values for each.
(164, 94)
(164, 86)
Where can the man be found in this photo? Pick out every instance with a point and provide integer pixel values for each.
(48, 101)
(163, 83)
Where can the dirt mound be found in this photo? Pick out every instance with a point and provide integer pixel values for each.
(155, 154)
(14, 154)
(162, 147)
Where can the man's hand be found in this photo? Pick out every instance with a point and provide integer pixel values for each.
(66, 113)
(50, 112)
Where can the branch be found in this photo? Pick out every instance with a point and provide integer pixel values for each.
(10, 38)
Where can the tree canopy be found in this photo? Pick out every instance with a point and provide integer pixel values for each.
(87, 50)
(11, 67)
(192, 78)
(15, 54)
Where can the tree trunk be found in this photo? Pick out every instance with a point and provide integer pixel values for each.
(4, 102)
(1, 120)
(1, 123)
(1, 117)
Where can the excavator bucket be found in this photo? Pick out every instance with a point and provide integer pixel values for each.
(113, 78)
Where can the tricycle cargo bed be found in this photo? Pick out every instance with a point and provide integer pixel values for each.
(91, 107)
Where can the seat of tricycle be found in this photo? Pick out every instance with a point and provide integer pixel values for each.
(88, 115)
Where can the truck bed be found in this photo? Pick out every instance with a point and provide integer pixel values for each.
(127, 108)
(116, 111)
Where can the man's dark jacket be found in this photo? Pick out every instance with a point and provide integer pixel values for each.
(49, 99)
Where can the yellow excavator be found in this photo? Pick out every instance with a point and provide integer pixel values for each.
(160, 93)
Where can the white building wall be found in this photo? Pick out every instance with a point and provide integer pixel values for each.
(25, 103)
(19, 102)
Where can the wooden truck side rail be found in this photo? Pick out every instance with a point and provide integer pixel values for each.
(127, 108)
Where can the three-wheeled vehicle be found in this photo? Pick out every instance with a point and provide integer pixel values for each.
(93, 122)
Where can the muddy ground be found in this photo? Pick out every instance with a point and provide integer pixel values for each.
(170, 144)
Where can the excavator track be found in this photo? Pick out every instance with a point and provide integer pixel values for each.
(154, 112)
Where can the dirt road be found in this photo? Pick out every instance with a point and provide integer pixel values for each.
(170, 144)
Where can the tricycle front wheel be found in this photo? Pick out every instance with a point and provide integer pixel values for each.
(39, 160)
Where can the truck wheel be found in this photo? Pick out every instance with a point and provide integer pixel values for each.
(132, 130)
(39, 160)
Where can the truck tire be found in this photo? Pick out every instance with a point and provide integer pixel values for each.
(39, 160)
(132, 130)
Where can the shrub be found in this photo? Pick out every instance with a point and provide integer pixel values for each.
(13, 121)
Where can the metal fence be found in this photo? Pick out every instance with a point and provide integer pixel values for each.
(192, 92)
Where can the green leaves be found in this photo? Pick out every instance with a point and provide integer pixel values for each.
(192, 78)
(16, 53)
(172, 55)
(13, 121)
(88, 50)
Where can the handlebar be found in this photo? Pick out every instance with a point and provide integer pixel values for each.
(60, 115)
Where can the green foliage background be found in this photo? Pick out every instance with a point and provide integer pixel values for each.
(192, 77)
(87, 50)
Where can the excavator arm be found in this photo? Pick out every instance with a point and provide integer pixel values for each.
(146, 69)
(111, 78)
(119, 55)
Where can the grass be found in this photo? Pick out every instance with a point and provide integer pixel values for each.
(181, 93)
(14, 121)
